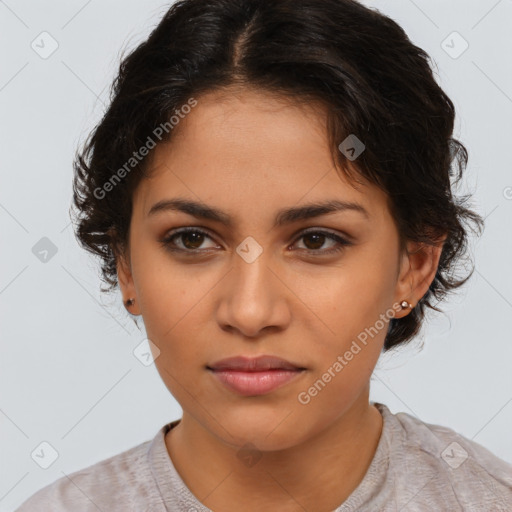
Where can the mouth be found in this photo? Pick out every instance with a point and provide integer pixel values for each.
(254, 364)
(255, 376)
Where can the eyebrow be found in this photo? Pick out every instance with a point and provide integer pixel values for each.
(283, 216)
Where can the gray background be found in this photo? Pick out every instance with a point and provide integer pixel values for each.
(68, 374)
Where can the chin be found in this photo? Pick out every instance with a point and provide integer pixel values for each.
(266, 430)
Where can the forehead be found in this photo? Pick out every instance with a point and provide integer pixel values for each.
(253, 123)
(250, 149)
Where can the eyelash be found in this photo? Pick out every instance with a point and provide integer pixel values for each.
(170, 246)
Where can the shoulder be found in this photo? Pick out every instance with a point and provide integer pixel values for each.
(446, 467)
(118, 481)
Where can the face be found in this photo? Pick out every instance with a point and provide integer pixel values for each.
(305, 289)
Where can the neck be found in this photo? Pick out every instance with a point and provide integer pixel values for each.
(317, 474)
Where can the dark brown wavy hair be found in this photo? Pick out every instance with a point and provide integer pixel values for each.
(359, 63)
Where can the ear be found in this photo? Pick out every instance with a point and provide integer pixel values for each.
(418, 269)
(126, 284)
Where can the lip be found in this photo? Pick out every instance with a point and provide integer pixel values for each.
(255, 383)
(254, 364)
(255, 376)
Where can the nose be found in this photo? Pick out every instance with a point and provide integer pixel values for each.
(254, 298)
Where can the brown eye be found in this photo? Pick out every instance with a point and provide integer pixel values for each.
(186, 240)
(314, 240)
(192, 239)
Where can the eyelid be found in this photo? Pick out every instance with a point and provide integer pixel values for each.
(316, 229)
(166, 239)
(342, 239)
(301, 232)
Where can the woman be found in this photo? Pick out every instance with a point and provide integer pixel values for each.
(270, 188)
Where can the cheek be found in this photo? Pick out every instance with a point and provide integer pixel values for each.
(169, 293)
(349, 307)
(370, 283)
(346, 301)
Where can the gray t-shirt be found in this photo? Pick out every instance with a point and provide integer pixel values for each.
(417, 467)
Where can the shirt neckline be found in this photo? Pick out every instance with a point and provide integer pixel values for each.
(177, 496)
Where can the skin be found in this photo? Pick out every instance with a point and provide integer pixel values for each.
(251, 154)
